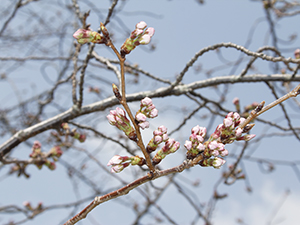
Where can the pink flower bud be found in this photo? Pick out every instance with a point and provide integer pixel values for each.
(224, 152)
(150, 31)
(236, 101)
(145, 39)
(227, 122)
(218, 162)
(248, 137)
(117, 168)
(157, 139)
(214, 152)
(188, 145)
(238, 132)
(115, 160)
(163, 129)
(120, 112)
(141, 25)
(140, 117)
(201, 147)
(146, 101)
(153, 113)
(165, 137)
(297, 53)
(144, 125)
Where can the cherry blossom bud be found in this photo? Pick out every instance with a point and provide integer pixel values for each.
(115, 160)
(238, 132)
(150, 31)
(141, 25)
(188, 145)
(146, 101)
(85, 36)
(117, 168)
(153, 113)
(201, 147)
(218, 162)
(144, 125)
(246, 137)
(224, 152)
(236, 101)
(145, 39)
(297, 53)
(228, 122)
(158, 139)
(140, 117)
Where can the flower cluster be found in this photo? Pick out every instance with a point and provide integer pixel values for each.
(147, 110)
(42, 157)
(160, 135)
(118, 163)
(195, 144)
(118, 118)
(170, 146)
(140, 36)
(214, 148)
(228, 131)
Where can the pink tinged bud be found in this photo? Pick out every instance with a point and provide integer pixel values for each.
(297, 53)
(218, 162)
(248, 137)
(85, 36)
(163, 129)
(141, 25)
(144, 125)
(214, 152)
(120, 112)
(230, 114)
(201, 147)
(238, 132)
(196, 129)
(150, 31)
(146, 101)
(224, 153)
(36, 145)
(193, 137)
(227, 122)
(213, 145)
(241, 120)
(175, 147)
(236, 101)
(165, 137)
(136, 33)
(145, 39)
(79, 33)
(157, 133)
(115, 160)
(117, 168)
(170, 142)
(157, 140)
(199, 138)
(236, 116)
(188, 145)
(153, 113)
(140, 117)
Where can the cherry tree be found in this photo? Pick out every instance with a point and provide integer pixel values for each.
(89, 116)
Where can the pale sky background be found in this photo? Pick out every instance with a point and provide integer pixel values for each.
(182, 29)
